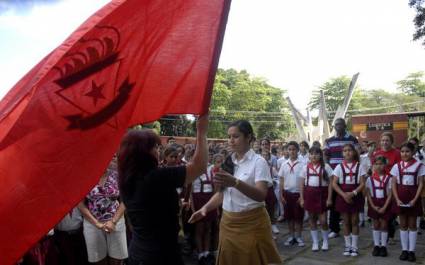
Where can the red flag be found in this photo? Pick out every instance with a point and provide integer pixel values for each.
(131, 62)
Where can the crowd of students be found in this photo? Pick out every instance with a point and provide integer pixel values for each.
(300, 182)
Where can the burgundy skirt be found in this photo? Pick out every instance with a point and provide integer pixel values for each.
(199, 200)
(357, 204)
(406, 194)
(292, 209)
(379, 203)
(315, 199)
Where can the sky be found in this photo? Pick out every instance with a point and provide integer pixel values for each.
(295, 45)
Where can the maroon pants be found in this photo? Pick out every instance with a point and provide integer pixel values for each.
(292, 209)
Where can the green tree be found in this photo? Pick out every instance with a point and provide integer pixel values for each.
(237, 95)
(334, 91)
(419, 19)
(177, 125)
(413, 84)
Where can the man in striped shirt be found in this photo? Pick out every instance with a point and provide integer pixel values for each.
(333, 153)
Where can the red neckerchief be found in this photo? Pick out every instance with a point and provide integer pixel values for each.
(291, 168)
(375, 176)
(314, 169)
(350, 168)
(403, 167)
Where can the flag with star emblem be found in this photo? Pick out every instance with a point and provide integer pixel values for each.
(130, 63)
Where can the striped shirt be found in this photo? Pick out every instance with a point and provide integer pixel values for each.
(334, 145)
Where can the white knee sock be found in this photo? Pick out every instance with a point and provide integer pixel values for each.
(347, 240)
(315, 236)
(404, 238)
(376, 237)
(384, 238)
(325, 235)
(354, 241)
(412, 240)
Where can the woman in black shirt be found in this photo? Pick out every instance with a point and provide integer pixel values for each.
(149, 194)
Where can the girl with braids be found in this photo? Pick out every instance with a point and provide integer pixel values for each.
(316, 195)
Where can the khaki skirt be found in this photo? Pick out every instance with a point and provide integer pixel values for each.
(246, 239)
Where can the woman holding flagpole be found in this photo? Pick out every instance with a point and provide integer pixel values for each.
(150, 196)
(245, 230)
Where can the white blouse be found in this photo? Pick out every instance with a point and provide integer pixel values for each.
(250, 169)
(379, 192)
(313, 181)
(408, 180)
(291, 178)
(348, 180)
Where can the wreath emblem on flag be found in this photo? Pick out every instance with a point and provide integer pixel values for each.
(88, 81)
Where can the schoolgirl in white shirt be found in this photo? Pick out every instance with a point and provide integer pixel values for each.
(348, 182)
(316, 195)
(378, 193)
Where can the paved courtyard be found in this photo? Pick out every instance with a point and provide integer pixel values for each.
(304, 256)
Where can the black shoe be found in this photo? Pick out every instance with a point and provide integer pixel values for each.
(210, 259)
(404, 255)
(383, 252)
(202, 261)
(376, 251)
(411, 256)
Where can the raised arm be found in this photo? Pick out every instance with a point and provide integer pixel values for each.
(198, 165)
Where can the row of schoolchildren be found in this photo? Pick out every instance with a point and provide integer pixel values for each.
(307, 185)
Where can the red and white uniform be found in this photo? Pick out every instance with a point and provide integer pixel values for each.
(407, 176)
(315, 187)
(348, 175)
(202, 191)
(291, 172)
(379, 187)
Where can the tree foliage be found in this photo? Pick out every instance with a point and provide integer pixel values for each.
(419, 19)
(413, 84)
(371, 101)
(237, 95)
(334, 91)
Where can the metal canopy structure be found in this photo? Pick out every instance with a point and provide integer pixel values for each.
(306, 130)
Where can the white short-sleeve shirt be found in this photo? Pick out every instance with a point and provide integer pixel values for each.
(250, 169)
(379, 192)
(365, 162)
(304, 158)
(291, 178)
(280, 162)
(340, 174)
(408, 180)
(313, 181)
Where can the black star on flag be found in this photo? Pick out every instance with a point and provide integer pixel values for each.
(95, 93)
